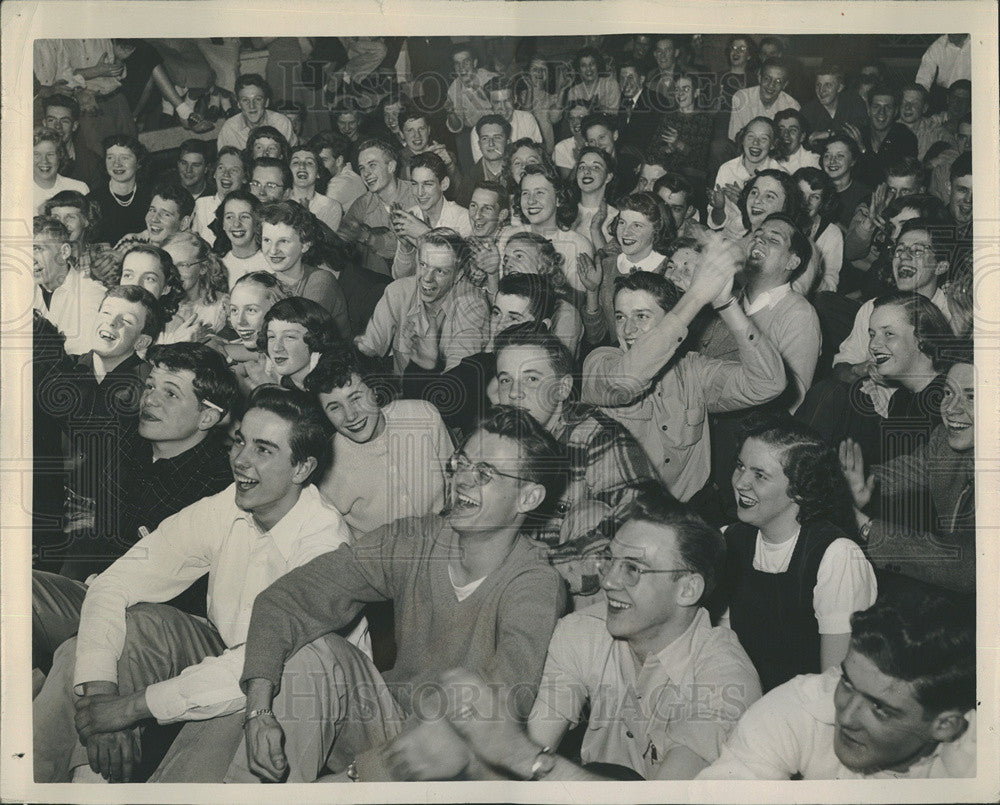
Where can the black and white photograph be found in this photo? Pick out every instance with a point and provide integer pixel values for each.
(500, 401)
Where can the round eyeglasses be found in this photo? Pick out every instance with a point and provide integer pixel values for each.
(482, 472)
(631, 571)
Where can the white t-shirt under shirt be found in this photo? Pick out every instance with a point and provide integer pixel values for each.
(43, 194)
(237, 267)
(845, 581)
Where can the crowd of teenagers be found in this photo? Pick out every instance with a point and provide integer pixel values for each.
(543, 408)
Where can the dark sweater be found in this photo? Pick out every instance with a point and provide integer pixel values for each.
(501, 631)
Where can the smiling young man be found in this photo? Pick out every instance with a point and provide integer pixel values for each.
(664, 687)
(170, 212)
(901, 705)
(534, 373)
(125, 663)
(884, 140)
(178, 459)
(435, 317)
(388, 461)
(368, 221)
(253, 94)
(62, 113)
(493, 133)
(766, 99)
(522, 123)
(467, 590)
(429, 176)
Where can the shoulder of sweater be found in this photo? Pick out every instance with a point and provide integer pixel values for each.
(410, 412)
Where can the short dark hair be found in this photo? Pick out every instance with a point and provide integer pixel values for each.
(928, 206)
(675, 183)
(170, 299)
(62, 100)
(962, 166)
(702, 548)
(503, 199)
(311, 433)
(129, 142)
(591, 52)
(560, 358)
(316, 319)
(536, 288)
(543, 460)
(222, 244)
(253, 80)
(943, 240)
(336, 142)
(496, 120)
(829, 201)
(153, 324)
(840, 137)
(598, 119)
(659, 287)
(174, 191)
(433, 163)
(195, 146)
(799, 244)
(960, 83)
(609, 161)
(925, 639)
(829, 68)
(498, 83)
(271, 162)
(333, 371)
(883, 88)
(775, 61)
(214, 381)
(793, 203)
(906, 166)
(793, 114)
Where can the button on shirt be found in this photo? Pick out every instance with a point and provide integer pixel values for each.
(212, 536)
(791, 730)
(690, 694)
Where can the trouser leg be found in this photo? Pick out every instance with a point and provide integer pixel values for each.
(56, 602)
(333, 704)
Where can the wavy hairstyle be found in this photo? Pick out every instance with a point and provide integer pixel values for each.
(655, 211)
(792, 206)
(173, 286)
(86, 206)
(267, 133)
(551, 263)
(815, 480)
(566, 204)
(214, 280)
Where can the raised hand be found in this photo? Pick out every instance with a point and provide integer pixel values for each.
(732, 192)
(853, 465)
(721, 258)
(590, 273)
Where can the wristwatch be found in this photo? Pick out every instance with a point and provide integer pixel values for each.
(543, 765)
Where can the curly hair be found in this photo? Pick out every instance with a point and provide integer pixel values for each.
(829, 200)
(87, 207)
(214, 280)
(299, 218)
(323, 176)
(566, 203)
(46, 135)
(222, 246)
(792, 206)
(650, 206)
(320, 330)
(551, 263)
(815, 480)
(507, 175)
(173, 285)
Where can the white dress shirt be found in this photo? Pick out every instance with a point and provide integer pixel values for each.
(211, 536)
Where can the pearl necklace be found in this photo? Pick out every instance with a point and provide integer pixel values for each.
(131, 196)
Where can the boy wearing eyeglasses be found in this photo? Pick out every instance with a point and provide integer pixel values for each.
(664, 687)
(467, 590)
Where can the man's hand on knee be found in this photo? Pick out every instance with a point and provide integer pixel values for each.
(265, 754)
(114, 755)
(105, 713)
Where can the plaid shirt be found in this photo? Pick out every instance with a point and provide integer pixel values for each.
(605, 465)
(145, 492)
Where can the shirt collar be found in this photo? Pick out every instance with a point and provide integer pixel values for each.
(766, 299)
(676, 655)
(651, 262)
(306, 516)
